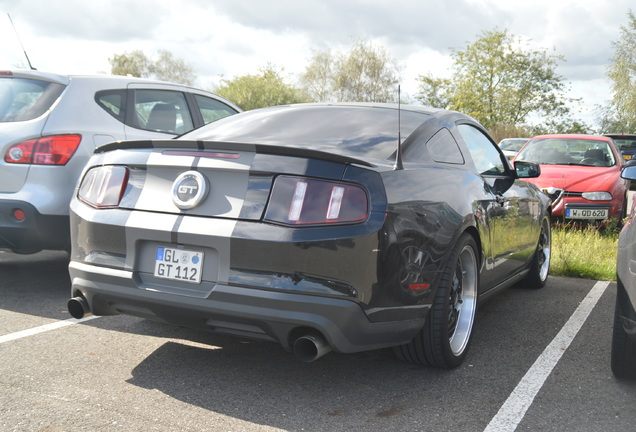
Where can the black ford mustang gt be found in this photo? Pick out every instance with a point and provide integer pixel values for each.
(311, 226)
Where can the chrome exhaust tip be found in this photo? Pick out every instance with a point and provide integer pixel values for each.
(310, 347)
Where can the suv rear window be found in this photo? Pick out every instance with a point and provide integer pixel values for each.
(24, 99)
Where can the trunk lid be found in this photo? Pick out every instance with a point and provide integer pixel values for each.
(239, 177)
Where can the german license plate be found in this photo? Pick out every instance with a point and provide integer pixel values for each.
(574, 213)
(178, 264)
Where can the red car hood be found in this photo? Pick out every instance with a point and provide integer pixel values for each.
(576, 178)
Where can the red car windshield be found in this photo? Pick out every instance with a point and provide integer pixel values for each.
(568, 151)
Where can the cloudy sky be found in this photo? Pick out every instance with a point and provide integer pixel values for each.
(226, 38)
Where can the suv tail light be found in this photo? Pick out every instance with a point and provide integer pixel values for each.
(103, 187)
(304, 201)
(48, 150)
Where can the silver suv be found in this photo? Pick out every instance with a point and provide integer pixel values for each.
(49, 126)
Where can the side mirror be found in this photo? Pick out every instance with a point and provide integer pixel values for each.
(629, 172)
(527, 169)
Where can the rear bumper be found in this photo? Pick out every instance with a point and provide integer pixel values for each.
(254, 313)
(35, 232)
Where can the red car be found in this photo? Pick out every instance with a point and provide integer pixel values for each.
(581, 173)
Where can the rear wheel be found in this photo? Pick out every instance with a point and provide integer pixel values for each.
(623, 346)
(444, 340)
(540, 266)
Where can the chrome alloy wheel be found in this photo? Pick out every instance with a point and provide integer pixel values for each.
(462, 301)
(544, 250)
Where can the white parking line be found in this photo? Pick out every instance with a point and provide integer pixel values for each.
(43, 328)
(513, 410)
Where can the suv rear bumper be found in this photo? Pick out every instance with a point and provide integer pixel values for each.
(260, 314)
(34, 232)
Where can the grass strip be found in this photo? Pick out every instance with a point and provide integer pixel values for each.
(584, 252)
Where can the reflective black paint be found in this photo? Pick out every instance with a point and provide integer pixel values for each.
(382, 271)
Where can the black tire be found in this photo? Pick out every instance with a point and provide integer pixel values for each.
(623, 346)
(624, 211)
(540, 267)
(444, 340)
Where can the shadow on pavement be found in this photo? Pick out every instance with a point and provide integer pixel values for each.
(36, 284)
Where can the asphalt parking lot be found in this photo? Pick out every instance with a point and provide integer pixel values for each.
(539, 361)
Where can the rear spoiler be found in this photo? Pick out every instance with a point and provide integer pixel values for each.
(229, 146)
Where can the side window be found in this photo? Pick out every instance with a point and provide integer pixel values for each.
(487, 159)
(162, 111)
(212, 109)
(443, 148)
(113, 102)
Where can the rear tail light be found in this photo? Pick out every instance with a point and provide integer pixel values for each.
(48, 150)
(303, 201)
(104, 186)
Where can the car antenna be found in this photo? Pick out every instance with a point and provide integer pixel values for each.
(398, 156)
(23, 50)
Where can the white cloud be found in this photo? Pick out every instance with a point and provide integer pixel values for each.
(229, 38)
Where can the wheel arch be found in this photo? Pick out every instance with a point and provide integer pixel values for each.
(474, 233)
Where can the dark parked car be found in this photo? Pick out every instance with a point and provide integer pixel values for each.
(50, 125)
(308, 226)
(626, 143)
(624, 334)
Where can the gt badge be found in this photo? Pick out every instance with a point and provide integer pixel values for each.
(189, 190)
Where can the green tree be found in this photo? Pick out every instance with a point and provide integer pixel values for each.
(134, 63)
(165, 68)
(169, 68)
(266, 88)
(565, 125)
(619, 115)
(499, 82)
(365, 73)
(318, 76)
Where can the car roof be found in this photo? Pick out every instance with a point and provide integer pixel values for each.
(285, 113)
(393, 106)
(572, 136)
(65, 79)
(363, 130)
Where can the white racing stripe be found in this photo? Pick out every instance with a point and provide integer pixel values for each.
(514, 409)
(43, 328)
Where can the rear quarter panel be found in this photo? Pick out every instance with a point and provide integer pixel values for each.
(428, 209)
(626, 261)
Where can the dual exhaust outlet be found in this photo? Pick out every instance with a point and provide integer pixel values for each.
(307, 348)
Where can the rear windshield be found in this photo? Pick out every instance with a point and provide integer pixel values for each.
(345, 130)
(24, 99)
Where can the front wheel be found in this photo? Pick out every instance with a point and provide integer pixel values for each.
(444, 340)
(540, 266)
